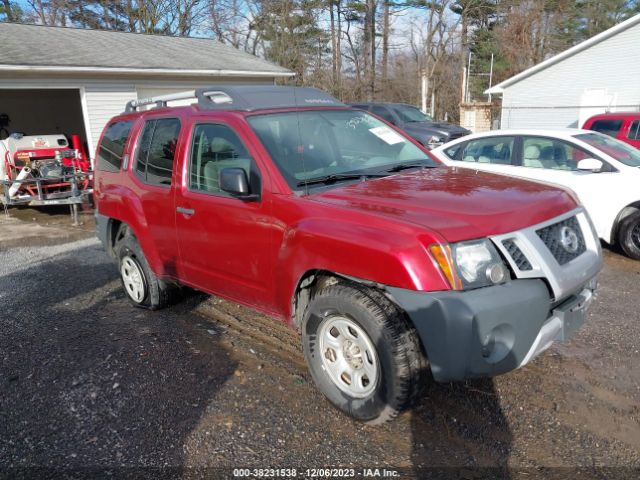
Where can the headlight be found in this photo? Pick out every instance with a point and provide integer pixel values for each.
(471, 264)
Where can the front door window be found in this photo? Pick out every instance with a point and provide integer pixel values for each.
(552, 154)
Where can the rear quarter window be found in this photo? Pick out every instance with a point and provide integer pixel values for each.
(609, 127)
(112, 146)
(452, 152)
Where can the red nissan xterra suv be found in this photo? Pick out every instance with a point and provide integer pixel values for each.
(389, 263)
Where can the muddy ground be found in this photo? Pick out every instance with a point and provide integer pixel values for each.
(91, 387)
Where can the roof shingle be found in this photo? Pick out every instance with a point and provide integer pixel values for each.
(39, 46)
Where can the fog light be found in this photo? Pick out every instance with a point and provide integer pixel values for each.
(497, 343)
(497, 273)
(488, 345)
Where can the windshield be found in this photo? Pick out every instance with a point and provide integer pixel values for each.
(408, 113)
(614, 148)
(309, 145)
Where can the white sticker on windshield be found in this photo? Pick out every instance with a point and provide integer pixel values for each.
(387, 135)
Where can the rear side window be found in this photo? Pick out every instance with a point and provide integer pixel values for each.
(634, 130)
(112, 146)
(609, 127)
(489, 150)
(157, 149)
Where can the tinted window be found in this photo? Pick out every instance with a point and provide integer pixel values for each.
(156, 152)
(489, 150)
(634, 130)
(383, 113)
(213, 148)
(549, 153)
(409, 114)
(112, 146)
(608, 127)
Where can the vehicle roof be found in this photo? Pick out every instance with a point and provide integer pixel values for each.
(559, 132)
(625, 115)
(382, 103)
(195, 110)
(246, 98)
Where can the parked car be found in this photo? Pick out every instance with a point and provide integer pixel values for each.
(602, 171)
(285, 200)
(415, 123)
(625, 126)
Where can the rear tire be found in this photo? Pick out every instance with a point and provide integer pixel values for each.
(362, 353)
(142, 287)
(629, 235)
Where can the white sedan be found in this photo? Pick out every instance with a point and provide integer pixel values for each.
(602, 171)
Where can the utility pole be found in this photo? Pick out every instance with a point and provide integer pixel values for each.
(466, 93)
(425, 87)
(491, 76)
(433, 105)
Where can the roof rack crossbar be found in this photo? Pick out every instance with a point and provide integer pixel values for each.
(160, 100)
(243, 97)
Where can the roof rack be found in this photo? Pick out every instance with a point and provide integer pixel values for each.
(244, 97)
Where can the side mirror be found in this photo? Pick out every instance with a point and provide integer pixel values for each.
(234, 181)
(590, 165)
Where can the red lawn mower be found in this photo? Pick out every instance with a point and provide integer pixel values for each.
(44, 170)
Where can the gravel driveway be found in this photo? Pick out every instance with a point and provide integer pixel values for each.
(88, 383)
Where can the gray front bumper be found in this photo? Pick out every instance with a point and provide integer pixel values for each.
(491, 330)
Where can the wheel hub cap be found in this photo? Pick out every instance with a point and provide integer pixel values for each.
(133, 279)
(635, 235)
(348, 356)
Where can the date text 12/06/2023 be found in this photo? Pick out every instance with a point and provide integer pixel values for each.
(315, 473)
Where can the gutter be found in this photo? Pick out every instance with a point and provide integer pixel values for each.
(143, 71)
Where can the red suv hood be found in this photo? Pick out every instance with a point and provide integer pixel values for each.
(460, 204)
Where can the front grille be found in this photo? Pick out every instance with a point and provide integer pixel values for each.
(516, 254)
(564, 240)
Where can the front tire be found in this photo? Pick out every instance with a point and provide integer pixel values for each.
(629, 235)
(362, 353)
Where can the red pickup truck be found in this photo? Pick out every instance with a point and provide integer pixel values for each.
(390, 264)
(625, 126)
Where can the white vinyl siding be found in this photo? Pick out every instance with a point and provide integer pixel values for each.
(102, 97)
(102, 103)
(560, 95)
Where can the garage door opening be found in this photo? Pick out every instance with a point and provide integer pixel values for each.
(43, 112)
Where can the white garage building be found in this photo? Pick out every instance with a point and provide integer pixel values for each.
(599, 75)
(72, 81)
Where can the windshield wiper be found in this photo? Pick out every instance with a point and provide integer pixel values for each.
(408, 165)
(336, 177)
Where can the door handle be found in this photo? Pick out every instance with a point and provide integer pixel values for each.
(185, 211)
